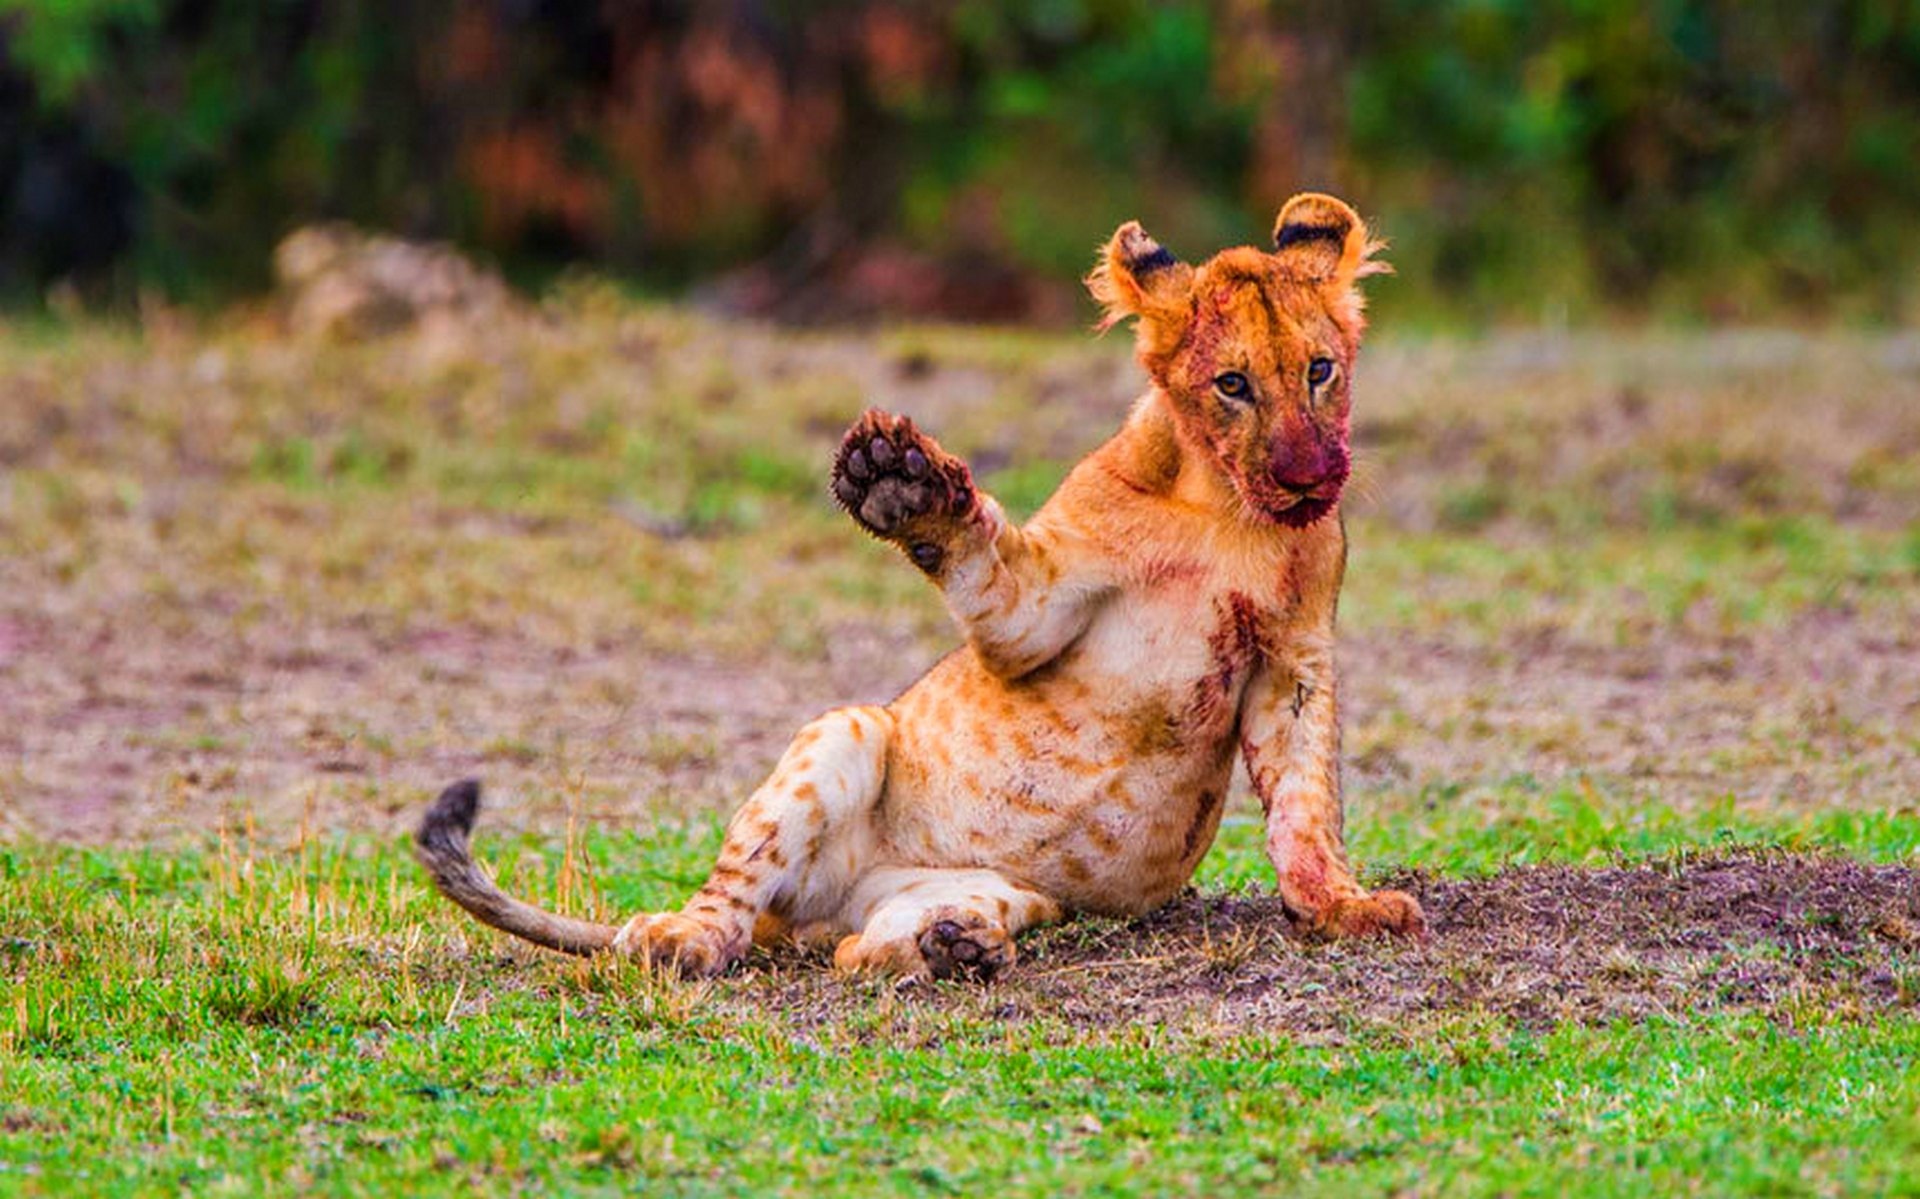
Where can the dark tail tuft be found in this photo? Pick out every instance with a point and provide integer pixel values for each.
(449, 820)
(441, 845)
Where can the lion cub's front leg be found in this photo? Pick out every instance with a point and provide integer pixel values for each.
(1291, 739)
(1020, 595)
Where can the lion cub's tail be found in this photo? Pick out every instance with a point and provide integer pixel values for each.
(441, 846)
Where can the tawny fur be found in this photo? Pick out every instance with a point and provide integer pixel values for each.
(1171, 607)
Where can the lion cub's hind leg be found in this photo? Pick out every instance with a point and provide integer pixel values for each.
(944, 923)
(792, 852)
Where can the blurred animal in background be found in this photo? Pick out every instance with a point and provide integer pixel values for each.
(338, 282)
(1170, 609)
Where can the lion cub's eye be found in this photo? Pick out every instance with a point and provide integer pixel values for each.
(1233, 385)
(1319, 371)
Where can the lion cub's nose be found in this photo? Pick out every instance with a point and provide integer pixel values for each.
(1307, 468)
(1303, 481)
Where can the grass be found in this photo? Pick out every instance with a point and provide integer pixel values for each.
(1616, 601)
(313, 1019)
(453, 1106)
(1521, 821)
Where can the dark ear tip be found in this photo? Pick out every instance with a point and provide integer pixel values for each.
(1139, 252)
(1297, 233)
(1159, 258)
(1311, 217)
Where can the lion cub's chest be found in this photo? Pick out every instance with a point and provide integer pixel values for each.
(1183, 657)
(1102, 775)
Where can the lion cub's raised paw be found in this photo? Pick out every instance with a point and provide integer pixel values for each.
(900, 485)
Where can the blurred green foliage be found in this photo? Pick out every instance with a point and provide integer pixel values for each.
(1701, 158)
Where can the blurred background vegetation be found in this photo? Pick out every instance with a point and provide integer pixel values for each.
(1532, 160)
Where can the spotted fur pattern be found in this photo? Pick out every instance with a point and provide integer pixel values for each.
(1170, 608)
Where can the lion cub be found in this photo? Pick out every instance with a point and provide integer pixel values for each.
(1171, 605)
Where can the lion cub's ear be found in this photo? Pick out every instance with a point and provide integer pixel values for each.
(1319, 237)
(1136, 276)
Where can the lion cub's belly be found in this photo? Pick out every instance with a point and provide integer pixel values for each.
(1099, 779)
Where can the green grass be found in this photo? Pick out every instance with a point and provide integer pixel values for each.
(235, 1019)
(514, 1101)
(1522, 821)
(1616, 584)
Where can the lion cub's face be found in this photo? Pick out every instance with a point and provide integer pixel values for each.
(1255, 349)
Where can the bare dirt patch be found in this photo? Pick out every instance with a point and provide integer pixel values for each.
(1818, 711)
(117, 732)
(193, 631)
(1538, 946)
(121, 735)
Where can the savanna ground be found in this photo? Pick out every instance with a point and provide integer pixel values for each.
(1631, 643)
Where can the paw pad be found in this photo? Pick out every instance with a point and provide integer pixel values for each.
(964, 945)
(927, 556)
(898, 483)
